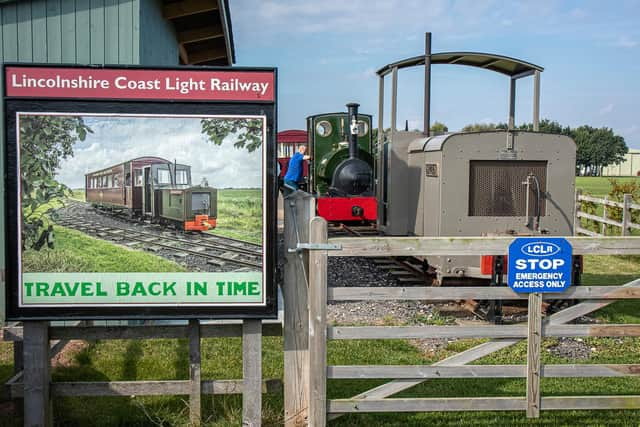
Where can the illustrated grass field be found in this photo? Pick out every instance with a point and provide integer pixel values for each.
(76, 252)
(240, 214)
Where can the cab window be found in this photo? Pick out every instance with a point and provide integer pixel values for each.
(163, 176)
(181, 177)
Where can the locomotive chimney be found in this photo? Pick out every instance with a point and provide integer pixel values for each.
(353, 129)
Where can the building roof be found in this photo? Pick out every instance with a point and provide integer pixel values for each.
(203, 31)
(292, 136)
(501, 64)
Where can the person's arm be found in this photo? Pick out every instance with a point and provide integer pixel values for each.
(306, 157)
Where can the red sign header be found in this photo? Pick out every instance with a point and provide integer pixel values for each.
(105, 83)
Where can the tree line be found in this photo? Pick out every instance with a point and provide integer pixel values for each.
(596, 147)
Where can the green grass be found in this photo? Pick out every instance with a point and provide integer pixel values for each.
(240, 214)
(599, 186)
(78, 194)
(76, 252)
(221, 359)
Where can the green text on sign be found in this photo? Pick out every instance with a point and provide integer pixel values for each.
(116, 289)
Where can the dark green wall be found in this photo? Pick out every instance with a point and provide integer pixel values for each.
(81, 32)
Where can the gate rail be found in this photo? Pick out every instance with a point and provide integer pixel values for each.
(376, 400)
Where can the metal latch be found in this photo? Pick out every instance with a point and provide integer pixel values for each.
(316, 247)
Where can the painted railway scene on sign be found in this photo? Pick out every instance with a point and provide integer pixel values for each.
(132, 198)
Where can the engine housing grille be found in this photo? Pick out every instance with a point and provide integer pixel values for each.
(496, 187)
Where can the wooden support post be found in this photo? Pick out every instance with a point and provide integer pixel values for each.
(194, 373)
(318, 326)
(626, 215)
(252, 372)
(534, 340)
(576, 218)
(37, 403)
(603, 228)
(298, 207)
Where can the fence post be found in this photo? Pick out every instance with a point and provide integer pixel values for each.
(534, 338)
(252, 372)
(603, 227)
(626, 215)
(298, 208)
(37, 402)
(318, 326)
(194, 373)
(576, 218)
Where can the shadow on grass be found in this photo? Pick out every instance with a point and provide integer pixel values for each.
(181, 363)
(132, 356)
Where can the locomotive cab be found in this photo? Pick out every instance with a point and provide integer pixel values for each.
(170, 197)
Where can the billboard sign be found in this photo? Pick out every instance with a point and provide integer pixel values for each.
(140, 193)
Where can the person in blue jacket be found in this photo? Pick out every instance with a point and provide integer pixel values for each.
(295, 169)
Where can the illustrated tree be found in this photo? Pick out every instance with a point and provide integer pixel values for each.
(247, 132)
(44, 142)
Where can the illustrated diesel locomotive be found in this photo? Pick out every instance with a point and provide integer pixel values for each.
(341, 172)
(154, 188)
(510, 182)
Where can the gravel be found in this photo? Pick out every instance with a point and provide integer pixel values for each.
(357, 271)
(380, 312)
(571, 348)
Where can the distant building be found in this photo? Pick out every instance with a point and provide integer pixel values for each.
(629, 167)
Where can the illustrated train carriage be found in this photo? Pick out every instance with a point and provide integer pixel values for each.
(154, 188)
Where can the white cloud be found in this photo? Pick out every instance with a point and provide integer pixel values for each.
(118, 139)
(607, 109)
(578, 13)
(625, 42)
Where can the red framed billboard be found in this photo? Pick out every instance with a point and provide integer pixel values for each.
(138, 193)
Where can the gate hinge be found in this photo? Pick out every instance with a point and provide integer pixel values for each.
(316, 247)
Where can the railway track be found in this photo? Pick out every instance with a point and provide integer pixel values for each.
(216, 250)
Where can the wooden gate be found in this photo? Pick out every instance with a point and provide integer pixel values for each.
(404, 377)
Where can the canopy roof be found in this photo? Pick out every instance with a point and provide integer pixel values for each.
(203, 30)
(500, 64)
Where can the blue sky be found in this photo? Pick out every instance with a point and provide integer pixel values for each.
(327, 53)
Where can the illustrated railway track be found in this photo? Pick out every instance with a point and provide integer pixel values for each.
(217, 250)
